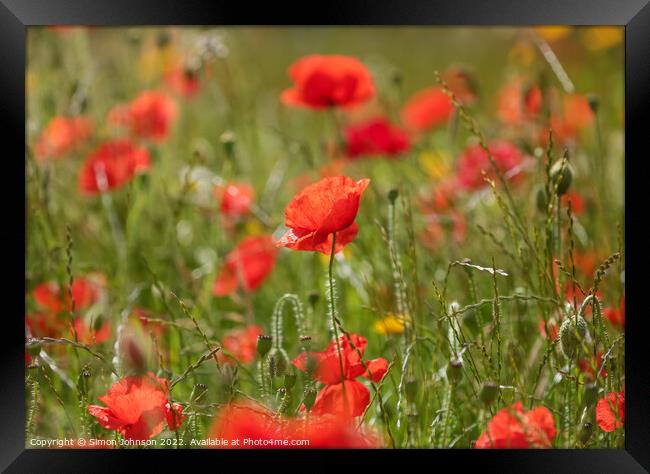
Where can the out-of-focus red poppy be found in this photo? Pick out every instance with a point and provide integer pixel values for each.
(328, 81)
(442, 197)
(61, 136)
(321, 209)
(137, 407)
(576, 116)
(514, 428)
(247, 265)
(144, 319)
(518, 102)
(241, 344)
(577, 202)
(183, 82)
(616, 316)
(586, 262)
(462, 84)
(610, 411)
(49, 296)
(452, 224)
(149, 116)
(427, 109)
(236, 199)
(44, 324)
(248, 425)
(590, 367)
(553, 329)
(89, 336)
(375, 137)
(112, 166)
(326, 368)
(474, 161)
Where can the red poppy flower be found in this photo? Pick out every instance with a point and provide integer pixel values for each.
(44, 325)
(111, 166)
(606, 407)
(375, 137)
(553, 329)
(137, 407)
(148, 116)
(50, 297)
(241, 344)
(518, 103)
(321, 209)
(514, 428)
(143, 317)
(183, 82)
(577, 202)
(250, 425)
(328, 81)
(616, 316)
(474, 161)
(61, 136)
(442, 198)
(236, 199)
(590, 368)
(326, 368)
(89, 336)
(462, 84)
(427, 109)
(247, 265)
(576, 116)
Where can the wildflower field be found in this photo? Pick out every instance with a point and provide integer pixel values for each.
(325, 237)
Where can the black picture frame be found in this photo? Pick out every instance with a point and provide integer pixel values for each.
(634, 15)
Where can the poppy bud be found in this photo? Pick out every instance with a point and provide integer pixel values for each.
(263, 344)
(411, 390)
(572, 333)
(228, 140)
(392, 195)
(454, 370)
(489, 391)
(586, 430)
(309, 398)
(541, 200)
(278, 362)
(561, 175)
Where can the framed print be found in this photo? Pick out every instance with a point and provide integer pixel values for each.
(375, 231)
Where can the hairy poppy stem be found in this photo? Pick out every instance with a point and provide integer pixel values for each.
(332, 309)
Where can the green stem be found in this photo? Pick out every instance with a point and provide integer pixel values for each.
(332, 307)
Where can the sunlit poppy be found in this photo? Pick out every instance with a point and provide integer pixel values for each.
(474, 161)
(247, 265)
(375, 137)
(610, 411)
(111, 166)
(328, 81)
(518, 102)
(61, 136)
(149, 116)
(137, 407)
(341, 397)
(515, 428)
(241, 344)
(616, 316)
(249, 425)
(236, 199)
(321, 209)
(182, 81)
(427, 109)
